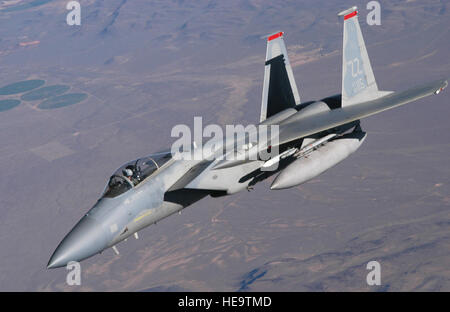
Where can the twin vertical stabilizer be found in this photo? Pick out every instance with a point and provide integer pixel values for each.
(279, 89)
(358, 81)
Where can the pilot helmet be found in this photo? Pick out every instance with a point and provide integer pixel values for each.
(127, 172)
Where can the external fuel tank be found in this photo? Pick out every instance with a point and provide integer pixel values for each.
(310, 166)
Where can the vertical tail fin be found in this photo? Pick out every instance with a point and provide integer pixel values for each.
(358, 81)
(279, 89)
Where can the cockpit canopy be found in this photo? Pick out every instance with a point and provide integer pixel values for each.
(134, 172)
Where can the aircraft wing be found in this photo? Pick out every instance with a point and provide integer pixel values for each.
(291, 130)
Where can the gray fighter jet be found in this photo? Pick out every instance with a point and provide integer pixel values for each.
(312, 137)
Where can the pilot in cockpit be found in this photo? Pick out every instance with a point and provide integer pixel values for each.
(128, 173)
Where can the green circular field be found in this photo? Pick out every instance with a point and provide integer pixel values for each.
(21, 86)
(62, 100)
(45, 92)
(8, 104)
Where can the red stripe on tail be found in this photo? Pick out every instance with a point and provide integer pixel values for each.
(275, 36)
(350, 15)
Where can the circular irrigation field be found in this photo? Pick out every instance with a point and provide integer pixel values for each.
(45, 92)
(62, 100)
(21, 86)
(8, 104)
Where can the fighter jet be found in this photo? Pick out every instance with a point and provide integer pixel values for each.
(312, 137)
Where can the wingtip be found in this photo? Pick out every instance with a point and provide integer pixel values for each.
(442, 87)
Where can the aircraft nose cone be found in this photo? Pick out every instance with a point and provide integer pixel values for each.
(86, 239)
